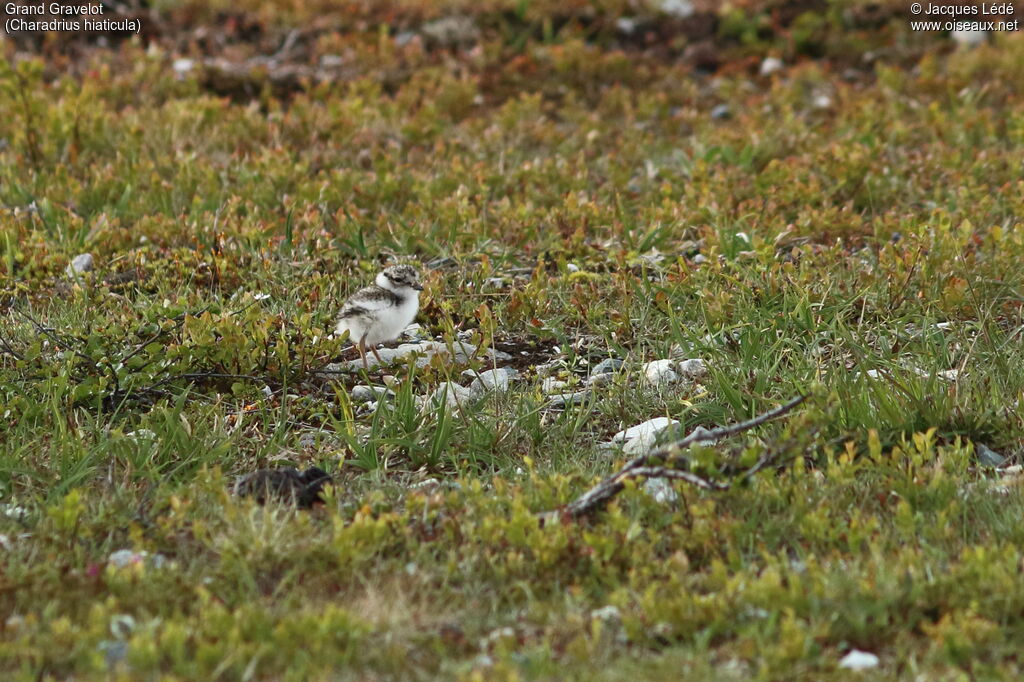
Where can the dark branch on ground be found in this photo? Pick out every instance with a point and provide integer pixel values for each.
(659, 464)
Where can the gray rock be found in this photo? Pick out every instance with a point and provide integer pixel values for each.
(659, 373)
(404, 38)
(548, 368)
(858, 660)
(460, 351)
(452, 395)
(693, 369)
(642, 438)
(414, 332)
(600, 380)
(655, 426)
(771, 65)
(80, 264)
(680, 9)
(364, 394)
(661, 490)
(988, 457)
(552, 385)
(626, 25)
(493, 380)
(968, 38)
(721, 112)
(495, 283)
(452, 31)
(607, 366)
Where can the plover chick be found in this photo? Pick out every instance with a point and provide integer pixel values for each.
(382, 310)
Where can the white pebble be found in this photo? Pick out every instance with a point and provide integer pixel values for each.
(494, 380)
(858, 660)
(771, 65)
(83, 262)
(693, 369)
(553, 385)
(660, 490)
(452, 394)
(660, 372)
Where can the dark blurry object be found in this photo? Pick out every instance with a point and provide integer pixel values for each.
(287, 485)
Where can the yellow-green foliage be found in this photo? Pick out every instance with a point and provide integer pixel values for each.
(852, 229)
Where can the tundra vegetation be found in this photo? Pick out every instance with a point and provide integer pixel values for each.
(807, 197)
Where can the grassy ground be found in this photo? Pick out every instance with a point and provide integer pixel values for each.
(850, 230)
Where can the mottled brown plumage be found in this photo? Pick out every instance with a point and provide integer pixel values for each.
(286, 485)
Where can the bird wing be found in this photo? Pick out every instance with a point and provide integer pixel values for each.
(368, 300)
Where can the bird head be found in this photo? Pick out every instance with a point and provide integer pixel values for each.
(399, 277)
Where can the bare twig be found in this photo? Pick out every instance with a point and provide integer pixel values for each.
(6, 347)
(657, 464)
(52, 336)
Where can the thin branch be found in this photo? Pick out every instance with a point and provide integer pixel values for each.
(7, 348)
(651, 465)
(52, 336)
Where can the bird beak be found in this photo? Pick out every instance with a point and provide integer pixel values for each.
(417, 287)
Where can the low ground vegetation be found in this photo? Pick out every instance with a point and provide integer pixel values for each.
(577, 185)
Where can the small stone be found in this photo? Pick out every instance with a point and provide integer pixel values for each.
(562, 400)
(642, 438)
(452, 394)
(680, 9)
(572, 267)
(607, 613)
(80, 264)
(414, 332)
(427, 485)
(626, 25)
(13, 511)
(362, 393)
(987, 456)
(331, 61)
(548, 368)
(126, 557)
(424, 351)
(660, 373)
(600, 379)
(968, 38)
(495, 283)
(858, 660)
(661, 491)
(822, 102)
(553, 385)
(721, 112)
(494, 380)
(181, 67)
(655, 426)
(607, 366)
(452, 31)
(404, 38)
(700, 434)
(693, 369)
(700, 259)
(771, 65)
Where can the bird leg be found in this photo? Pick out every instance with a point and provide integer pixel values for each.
(361, 347)
(380, 360)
